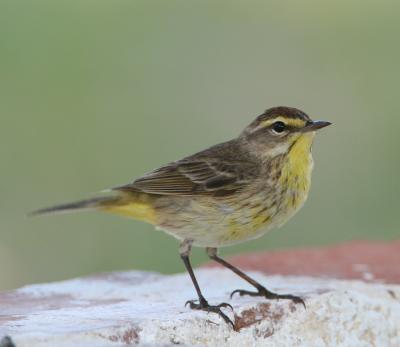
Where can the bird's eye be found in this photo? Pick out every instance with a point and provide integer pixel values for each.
(279, 127)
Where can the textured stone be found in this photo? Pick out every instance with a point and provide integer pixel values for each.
(147, 309)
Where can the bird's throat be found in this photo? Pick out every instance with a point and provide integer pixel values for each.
(296, 171)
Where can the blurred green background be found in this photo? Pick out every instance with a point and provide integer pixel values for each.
(95, 93)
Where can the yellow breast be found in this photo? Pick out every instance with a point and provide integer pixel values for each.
(294, 184)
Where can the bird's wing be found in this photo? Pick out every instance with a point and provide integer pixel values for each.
(195, 176)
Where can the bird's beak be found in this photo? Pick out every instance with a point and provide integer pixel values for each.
(315, 125)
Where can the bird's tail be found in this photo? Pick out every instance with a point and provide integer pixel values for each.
(82, 205)
(139, 206)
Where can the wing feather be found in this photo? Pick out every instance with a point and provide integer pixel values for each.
(200, 174)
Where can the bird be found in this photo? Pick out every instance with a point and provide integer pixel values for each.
(229, 193)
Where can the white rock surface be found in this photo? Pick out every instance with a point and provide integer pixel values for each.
(147, 309)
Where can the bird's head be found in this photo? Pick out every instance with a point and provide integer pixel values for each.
(279, 128)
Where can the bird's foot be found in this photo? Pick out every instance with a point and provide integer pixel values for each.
(205, 306)
(261, 291)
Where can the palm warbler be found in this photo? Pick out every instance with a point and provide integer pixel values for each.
(229, 193)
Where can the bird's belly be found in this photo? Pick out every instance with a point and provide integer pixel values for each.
(215, 224)
(262, 215)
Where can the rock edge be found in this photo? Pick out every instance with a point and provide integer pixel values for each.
(147, 309)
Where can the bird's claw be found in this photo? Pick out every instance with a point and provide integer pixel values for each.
(226, 305)
(242, 292)
(205, 306)
(269, 295)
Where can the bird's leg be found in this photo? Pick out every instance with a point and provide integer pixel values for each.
(261, 290)
(203, 304)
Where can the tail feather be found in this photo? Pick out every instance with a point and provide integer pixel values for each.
(82, 205)
(137, 206)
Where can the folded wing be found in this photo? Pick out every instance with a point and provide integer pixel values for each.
(195, 176)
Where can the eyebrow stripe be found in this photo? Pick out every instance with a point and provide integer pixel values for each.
(293, 122)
